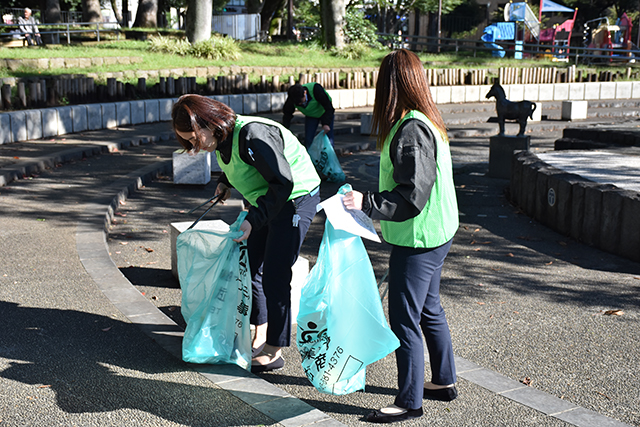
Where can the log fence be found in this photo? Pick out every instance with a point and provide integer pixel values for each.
(30, 92)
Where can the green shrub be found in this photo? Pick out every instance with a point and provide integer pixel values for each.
(359, 29)
(217, 47)
(353, 51)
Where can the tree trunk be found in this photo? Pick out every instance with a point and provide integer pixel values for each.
(52, 12)
(161, 19)
(91, 11)
(147, 14)
(333, 21)
(269, 9)
(254, 6)
(199, 16)
(117, 12)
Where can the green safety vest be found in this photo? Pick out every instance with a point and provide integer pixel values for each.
(313, 108)
(248, 181)
(438, 221)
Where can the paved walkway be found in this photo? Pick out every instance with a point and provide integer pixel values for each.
(525, 305)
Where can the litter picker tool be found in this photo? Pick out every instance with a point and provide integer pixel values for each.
(216, 197)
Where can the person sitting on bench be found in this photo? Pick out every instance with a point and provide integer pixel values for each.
(29, 28)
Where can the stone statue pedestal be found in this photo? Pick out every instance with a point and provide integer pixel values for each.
(501, 150)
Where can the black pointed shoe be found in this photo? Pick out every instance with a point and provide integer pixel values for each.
(444, 394)
(379, 417)
(277, 363)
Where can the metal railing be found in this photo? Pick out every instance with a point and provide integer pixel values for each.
(64, 30)
(559, 52)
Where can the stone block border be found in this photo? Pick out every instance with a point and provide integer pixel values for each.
(50, 122)
(46, 63)
(599, 215)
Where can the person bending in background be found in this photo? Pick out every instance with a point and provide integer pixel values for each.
(312, 100)
(417, 208)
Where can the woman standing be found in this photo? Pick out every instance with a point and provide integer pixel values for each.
(417, 208)
(273, 172)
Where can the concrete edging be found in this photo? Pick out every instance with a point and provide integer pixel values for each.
(599, 215)
(94, 254)
(49, 122)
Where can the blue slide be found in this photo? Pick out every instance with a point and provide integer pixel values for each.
(498, 31)
(488, 38)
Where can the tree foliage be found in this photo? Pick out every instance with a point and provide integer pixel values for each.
(592, 9)
(359, 29)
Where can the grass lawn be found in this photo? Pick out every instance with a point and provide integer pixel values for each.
(280, 54)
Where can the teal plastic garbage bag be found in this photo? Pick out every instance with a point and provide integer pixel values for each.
(341, 324)
(324, 159)
(216, 296)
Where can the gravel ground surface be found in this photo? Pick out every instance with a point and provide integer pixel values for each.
(521, 300)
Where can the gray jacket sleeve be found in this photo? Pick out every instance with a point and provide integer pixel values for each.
(262, 146)
(413, 155)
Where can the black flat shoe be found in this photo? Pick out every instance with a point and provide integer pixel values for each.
(277, 363)
(256, 350)
(444, 394)
(380, 417)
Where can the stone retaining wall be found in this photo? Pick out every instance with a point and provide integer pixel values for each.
(588, 139)
(600, 215)
(14, 64)
(44, 123)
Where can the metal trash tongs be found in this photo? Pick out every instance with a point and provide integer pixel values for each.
(217, 196)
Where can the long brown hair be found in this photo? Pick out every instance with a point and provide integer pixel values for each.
(402, 86)
(194, 113)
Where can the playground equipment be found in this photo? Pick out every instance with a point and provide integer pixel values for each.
(558, 36)
(598, 33)
(522, 25)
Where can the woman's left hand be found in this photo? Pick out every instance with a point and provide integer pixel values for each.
(245, 227)
(353, 200)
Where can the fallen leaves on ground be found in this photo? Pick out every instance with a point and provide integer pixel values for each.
(526, 381)
(613, 313)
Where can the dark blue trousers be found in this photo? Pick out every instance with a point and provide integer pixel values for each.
(415, 309)
(310, 126)
(273, 249)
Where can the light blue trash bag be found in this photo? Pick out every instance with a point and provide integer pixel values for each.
(324, 159)
(341, 324)
(216, 296)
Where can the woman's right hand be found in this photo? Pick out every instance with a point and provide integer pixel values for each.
(223, 191)
(353, 200)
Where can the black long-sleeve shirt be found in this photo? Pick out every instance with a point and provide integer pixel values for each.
(262, 146)
(320, 95)
(413, 155)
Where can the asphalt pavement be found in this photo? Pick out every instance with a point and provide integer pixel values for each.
(92, 320)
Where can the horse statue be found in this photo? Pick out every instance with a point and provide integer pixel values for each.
(508, 110)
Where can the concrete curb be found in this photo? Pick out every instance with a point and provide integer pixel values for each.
(94, 254)
(600, 215)
(273, 402)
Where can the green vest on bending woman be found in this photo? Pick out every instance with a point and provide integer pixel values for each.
(248, 181)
